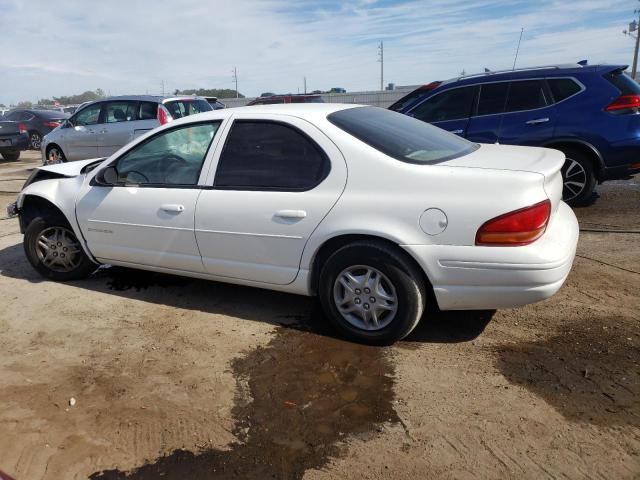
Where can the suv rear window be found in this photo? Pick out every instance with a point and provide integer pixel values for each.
(401, 136)
(623, 82)
(186, 107)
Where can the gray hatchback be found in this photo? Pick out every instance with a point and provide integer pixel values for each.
(98, 129)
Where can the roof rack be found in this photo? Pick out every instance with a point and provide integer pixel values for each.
(489, 72)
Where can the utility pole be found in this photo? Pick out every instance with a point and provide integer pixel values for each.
(633, 27)
(305, 85)
(235, 79)
(163, 88)
(381, 60)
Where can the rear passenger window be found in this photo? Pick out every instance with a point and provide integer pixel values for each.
(562, 88)
(526, 95)
(120, 112)
(270, 156)
(450, 105)
(493, 98)
(148, 111)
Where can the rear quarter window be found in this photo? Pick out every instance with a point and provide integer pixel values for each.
(563, 88)
(623, 82)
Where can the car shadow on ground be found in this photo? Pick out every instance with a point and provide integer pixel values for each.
(282, 309)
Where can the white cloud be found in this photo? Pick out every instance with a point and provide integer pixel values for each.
(56, 48)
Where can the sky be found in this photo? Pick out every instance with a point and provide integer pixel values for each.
(53, 48)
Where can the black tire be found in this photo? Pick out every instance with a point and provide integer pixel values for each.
(404, 277)
(11, 157)
(83, 266)
(35, 140)
(580, 169)
(54, 155)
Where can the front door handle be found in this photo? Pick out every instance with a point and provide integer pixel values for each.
(291, 214)
(537, 121)
(457, 132)
(172, 207)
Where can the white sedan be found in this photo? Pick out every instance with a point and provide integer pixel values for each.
(376, 213)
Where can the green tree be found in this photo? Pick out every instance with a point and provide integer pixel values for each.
(209, 92)
(25, 104)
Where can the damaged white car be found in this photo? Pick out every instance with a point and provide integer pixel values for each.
(374, 212)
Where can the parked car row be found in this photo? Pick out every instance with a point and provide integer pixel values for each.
(589, 112)
(102, 127)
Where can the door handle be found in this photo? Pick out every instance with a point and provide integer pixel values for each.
(457, 132)
(291, 214)
(172, 207)
(537, 121)
(103, 131)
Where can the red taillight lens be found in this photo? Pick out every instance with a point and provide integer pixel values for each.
(22, 128)
(520, 227)
(163, 115)
(624, 102)
(51, 124)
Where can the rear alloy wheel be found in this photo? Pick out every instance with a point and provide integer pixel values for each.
(371, 292)
(54, 250)
(54, 155)
(35, 140)
(578, 178)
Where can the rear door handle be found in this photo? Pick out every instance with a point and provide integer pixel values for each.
(291, 214)
(537, 120)
(457, 132)
(172, 207)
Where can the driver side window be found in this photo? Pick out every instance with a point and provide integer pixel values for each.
(173, 157)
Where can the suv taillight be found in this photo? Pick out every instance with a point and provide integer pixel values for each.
(22, 128)
(624, 102)
(520, 227)
(163, 115)
(52, 124)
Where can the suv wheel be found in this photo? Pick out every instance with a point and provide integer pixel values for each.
(54, 251)
(371, 293)
(35, 140)
(579, 179)
(54, 155)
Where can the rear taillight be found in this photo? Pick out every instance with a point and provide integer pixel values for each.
(51, 124)
(22, 128)
(624, 102)
(163, 115)
(519, 227)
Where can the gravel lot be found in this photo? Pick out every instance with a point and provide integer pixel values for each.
(191, 379)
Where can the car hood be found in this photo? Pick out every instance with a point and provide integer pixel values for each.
(509, 157)
(71, 169)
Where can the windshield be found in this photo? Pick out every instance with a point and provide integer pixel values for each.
(186, 107)
(400, 136)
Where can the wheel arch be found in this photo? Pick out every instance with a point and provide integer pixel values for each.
(331, 245)
(582, 146)
(37, 204)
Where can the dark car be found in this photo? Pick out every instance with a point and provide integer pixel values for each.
(13, 139)
(286, 99)
(37, 122)
(589, 112)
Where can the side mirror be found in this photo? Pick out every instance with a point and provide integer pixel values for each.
(107, 176)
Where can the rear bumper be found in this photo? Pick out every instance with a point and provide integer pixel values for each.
(477, 278)
(14, 143)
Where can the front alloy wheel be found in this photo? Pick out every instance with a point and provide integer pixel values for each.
(54, 251)
(54, 156)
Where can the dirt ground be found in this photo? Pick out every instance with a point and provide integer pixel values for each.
(184, 379)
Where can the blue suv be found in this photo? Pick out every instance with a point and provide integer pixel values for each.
(589, 112)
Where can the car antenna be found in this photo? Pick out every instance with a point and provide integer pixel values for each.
(518, 49)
